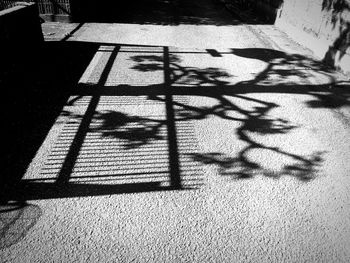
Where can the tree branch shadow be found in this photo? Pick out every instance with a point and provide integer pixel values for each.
(256, 121)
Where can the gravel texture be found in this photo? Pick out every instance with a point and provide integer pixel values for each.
(211, 144)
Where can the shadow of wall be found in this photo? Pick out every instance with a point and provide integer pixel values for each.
(37, 84)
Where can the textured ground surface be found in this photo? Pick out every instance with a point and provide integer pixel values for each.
(190, 143)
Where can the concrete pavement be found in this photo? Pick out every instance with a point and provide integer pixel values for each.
(190, 143)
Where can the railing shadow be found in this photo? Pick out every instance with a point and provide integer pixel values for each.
(163, 173)
(107, 150)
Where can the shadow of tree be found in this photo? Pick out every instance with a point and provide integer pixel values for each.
(135, 131)
(256, 121)
(16, 219)
(304, 169)
(253, 121)
(179, 74)
(281, 67)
